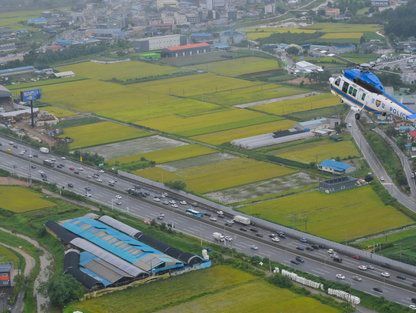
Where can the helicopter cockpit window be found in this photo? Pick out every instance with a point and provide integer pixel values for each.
(363, 96)
(350, 91)
(338, 81)
(354, 92)
(345, 87)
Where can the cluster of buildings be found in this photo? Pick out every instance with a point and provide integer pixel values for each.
(101, 252)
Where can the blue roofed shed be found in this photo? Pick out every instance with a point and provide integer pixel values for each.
(335, 167)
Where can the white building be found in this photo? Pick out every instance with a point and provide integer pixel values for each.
(160, 4)
(306, 67)
(158, 42)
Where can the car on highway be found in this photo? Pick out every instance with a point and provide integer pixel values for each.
(357, 278)
(88, 195)
(281, 234)
(161, 216)
(315, 246)
(303, 240)
(299, 259)
(294, 262)
(412, 307)
(259, 235)
(118, 197)
(331, 251)
(174, 205)
(243, 229)
(166, 202)
(99, 180)
(340, 276)
(118, 202)
(156, 199)
(253, 230)
(385, 274)
(71, 168)
(228, 238)
(254, 247)
(300, 248)
(401, 277)
(70, 185)
(33, 167)
(309, 248)
(356, 257)
(76, 172)
(362, 267)
(213, 218)
(370, 267)
(183, 202)
(376, 289)
(275, 239)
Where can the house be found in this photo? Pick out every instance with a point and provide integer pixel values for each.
(412, 135)
(332, 12)
(335, 167)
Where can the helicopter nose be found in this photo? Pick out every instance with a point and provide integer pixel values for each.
(331, 80)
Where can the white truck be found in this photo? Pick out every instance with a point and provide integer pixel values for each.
(44, 150)
(218, 236)
(242, 220)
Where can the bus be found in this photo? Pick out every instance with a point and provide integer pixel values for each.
(194, 213)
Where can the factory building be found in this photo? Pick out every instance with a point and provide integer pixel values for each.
(186, 50)
(6, 274)
(104, 252)
(335, 167)
(5, 96)
(157, 42)
(17, 71)
(338, 184)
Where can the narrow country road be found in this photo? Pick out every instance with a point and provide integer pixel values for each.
(404, 160)
(45, 259)
(376, 166)
(252, 104)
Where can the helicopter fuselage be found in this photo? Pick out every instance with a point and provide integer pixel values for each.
(360, 98)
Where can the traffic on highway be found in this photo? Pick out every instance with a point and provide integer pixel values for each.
(245, 234)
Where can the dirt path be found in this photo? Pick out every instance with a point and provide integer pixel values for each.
(12, 181)
(253, 104)
(45, 259)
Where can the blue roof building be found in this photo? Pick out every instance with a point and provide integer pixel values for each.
(37, 21)
(335, 167)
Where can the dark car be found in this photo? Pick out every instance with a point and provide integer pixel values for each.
(401, 277)
(414, 300)
(294, 262)
(386, 265)
(33, 167)
(207, 214)
(70, 185)
(281, 234)
(309, 248)
(76, 172)
(87, 189)
(304, 240)
(377, 289)
(356, 257)
(253, 230)
(243, 229)
(259, 235)
(299, 259)
(414, 284)
(315, 246)
(300, 248)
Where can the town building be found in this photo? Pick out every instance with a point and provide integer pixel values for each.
(157, 42)
(338, 184)
(186, 50)
(332, 12)
(307, 67)
(380, 3)
(335, 167)
(6, 270)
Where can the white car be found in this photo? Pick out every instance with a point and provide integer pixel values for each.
(183, 202)
(330, 251)
(99, 180)
(80, 169)
(275, 239)
(357, 278)
(118, 202)
(212, 218)
(228, 238)
(174, 206)
(89, 195)
(156, 199)
(63, 158)
(362, 267)
(385, 274)
(101, 171)
(253, 247)
(164, 195)
(412, 307)
(30, 156)
(382, 178)
(172, 201)
(118, 197)
(340, 276)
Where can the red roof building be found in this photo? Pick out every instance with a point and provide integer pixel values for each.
(412, 134)
(186, 50)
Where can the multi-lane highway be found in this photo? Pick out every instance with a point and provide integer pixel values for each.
(15, 157)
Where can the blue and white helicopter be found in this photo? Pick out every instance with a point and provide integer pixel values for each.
(362, 90)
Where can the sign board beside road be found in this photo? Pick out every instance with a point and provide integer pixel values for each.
(30, 95)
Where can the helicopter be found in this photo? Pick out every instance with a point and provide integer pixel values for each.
(361, 89)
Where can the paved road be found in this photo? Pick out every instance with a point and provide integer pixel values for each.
(256, 103)
(377, 167)
(404, 160)
(318, 262)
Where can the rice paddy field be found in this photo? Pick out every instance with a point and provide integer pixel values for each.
(331, 32)
(19, 199)
(100, 133)
(239, 66)
(250, 94)
(59, 112)
(208, 123)
(338, 216)
(218, 175)
(299, 105)
(217, 138)
(318, 151)
(16, 19)
(168, 155)
(119, 70)
(8, 255)
(218, 289)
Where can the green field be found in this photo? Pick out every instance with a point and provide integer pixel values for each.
(339, 216)
(219, 289)
(100, 133)
(318, 151)
(218, 175)
(59, 112)
(250, 94)
(299, 104)
(8, 255)
(19, 199)
(217, 138)
(167, 155)
(207, 123)
(239, 66)
(16, 19)
(120, 70)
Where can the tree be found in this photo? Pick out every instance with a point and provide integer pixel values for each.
(176, 184)
(293, 50)
(63, 289)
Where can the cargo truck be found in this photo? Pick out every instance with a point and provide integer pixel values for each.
(242, 220)
(48, 163)
(218, 236)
